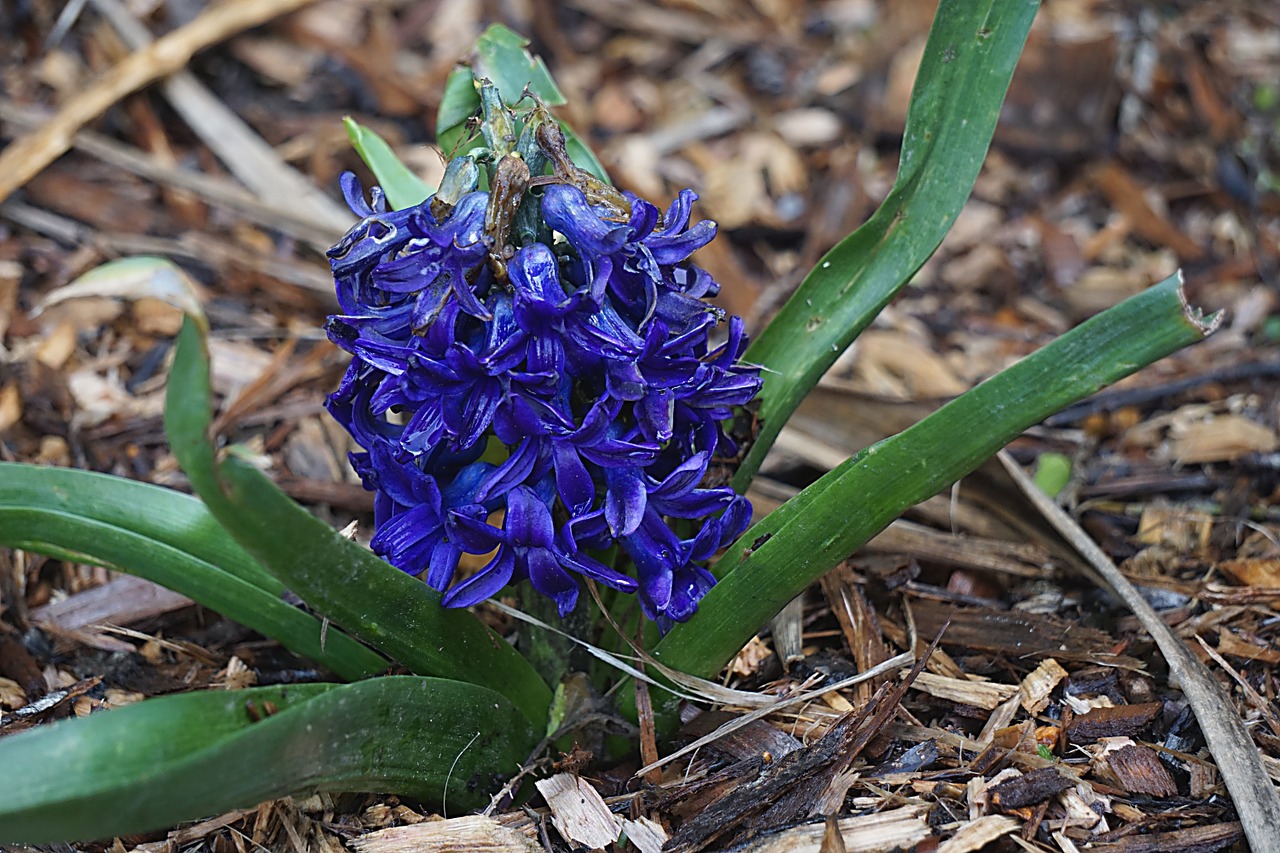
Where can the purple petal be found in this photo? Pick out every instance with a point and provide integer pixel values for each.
(485, 583)
(565, 208)
(624, 501)
(552, 581)
(528, 521)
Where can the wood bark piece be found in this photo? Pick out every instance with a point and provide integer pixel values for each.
(1137, 769)
(1017, 633)
(858, 623)
(749, 741)
(896, 829)
(122, 600)
(578, 811)
(1118, 721)
(1028, 789)
(1197, 839)
(969, 552)
(1252, 793)
(787, 792)
(27, 156)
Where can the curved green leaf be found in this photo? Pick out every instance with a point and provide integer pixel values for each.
(177, 758)
(967, 64)
(776, 559)
(168, 538)
(341, 579)
(152, 512)
(73, 537)
(402, 186)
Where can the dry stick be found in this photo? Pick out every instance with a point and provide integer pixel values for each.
(235, 143)
(30, 154)
(1238, 759)
(284, 217)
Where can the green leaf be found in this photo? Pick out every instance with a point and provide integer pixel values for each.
(776, 559)
(1053, 472)
(402, 186)
(459, 102)
(501, 56)
(968, 61)
(168, 538)
(338, 578)
(178, 758)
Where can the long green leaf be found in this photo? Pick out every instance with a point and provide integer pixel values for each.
(73, 537)
(155, 513)
(339, 578)
(179, 758)
(792, 547)
(967, 64)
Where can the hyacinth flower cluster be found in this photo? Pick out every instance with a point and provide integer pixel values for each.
(532, 376)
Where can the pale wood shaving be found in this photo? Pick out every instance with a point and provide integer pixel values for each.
(980, 694)
(897, 829)
(470, 834)
(979, 833)
(578, 811)
(1034, 690)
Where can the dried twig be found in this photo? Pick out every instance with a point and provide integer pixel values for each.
(244, 152)
(27, 156)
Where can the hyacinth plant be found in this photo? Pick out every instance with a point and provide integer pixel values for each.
(535, 376)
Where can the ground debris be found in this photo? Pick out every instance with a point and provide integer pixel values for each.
(1045, 717)
(1118, 721)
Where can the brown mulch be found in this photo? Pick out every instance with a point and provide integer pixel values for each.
(1137, 139)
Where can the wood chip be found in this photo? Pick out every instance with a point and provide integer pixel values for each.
(1223, 438)
(122, 600)
(645, 835)
(1137, 769)
(456, 835)
(1015, 633)
(1030, 788)
(896, 829)
(980, 694)
(1197, 839)
(979, 833)
(1034, 690)
(578, 811)
(1120, 721)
